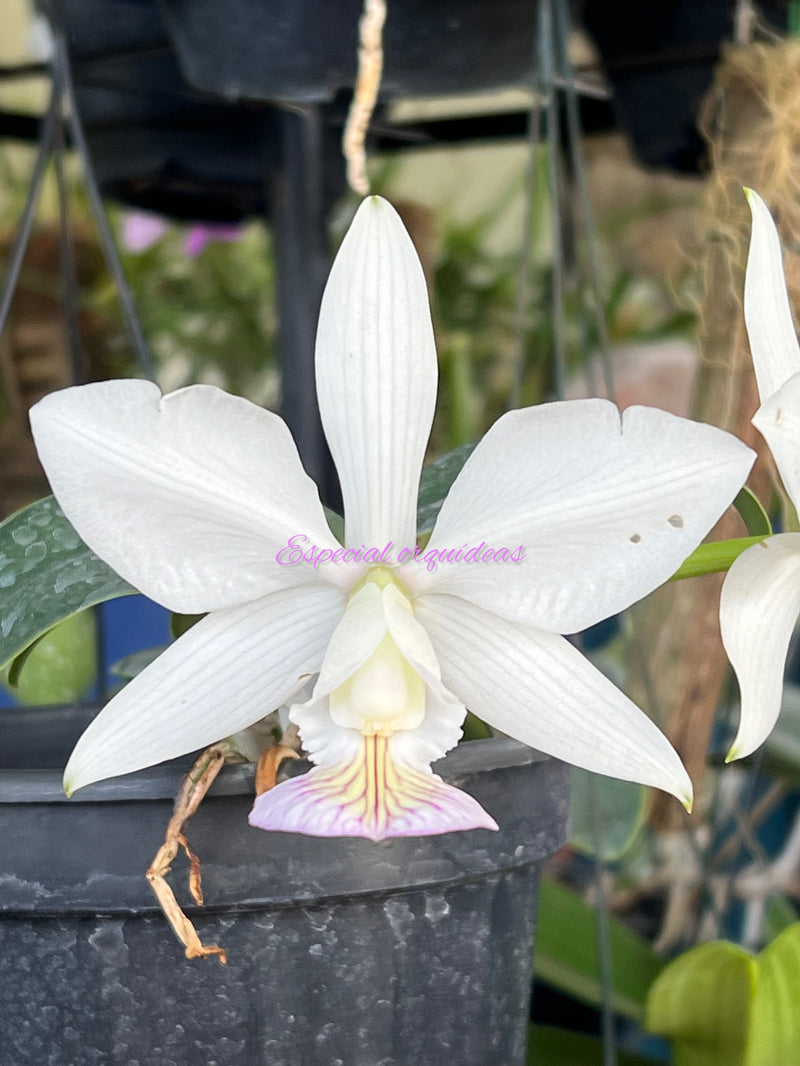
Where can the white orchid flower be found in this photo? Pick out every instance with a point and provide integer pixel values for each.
(760, 598)
(194, 497)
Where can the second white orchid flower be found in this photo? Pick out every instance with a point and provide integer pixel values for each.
(564, 514)
(760, 599)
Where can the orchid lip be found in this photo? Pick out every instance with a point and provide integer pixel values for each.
(373, 795)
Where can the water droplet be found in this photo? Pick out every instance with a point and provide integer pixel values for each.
(676, 521)
(65, 539)
(635, 538)
(24, 535)
(34, 553)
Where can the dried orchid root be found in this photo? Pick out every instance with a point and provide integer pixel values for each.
(196, 784)
(268, 765)
(365, 94)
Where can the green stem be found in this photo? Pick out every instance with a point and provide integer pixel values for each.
(714, 558)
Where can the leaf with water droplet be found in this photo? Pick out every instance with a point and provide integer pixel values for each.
(47, 574)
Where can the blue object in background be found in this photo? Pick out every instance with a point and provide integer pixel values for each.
(129, 624)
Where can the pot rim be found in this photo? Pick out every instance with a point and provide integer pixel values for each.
(469, 758)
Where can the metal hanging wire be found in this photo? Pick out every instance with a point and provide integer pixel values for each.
(554, 106)
(60, 129)
(61, 125)
(554, 109)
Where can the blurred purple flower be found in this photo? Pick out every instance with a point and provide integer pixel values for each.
(200, 235)
(141, 231)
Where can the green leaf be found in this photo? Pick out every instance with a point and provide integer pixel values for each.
(475, 728)
(335, 524)
(714, 558)
(182, 623)
(566, 954)
(620, 806)
(14, 669)
(775, 1020)
(435, 484)
(781, 913)
(47, 574)
(721, 1006)
(752, 513)
(60, 666)
(550, 1046)
(128, 667)
(701, 1001)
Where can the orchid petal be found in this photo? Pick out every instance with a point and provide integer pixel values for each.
(358, 634)
(372, 794)
(778, 422)
(758, 610)
(228, 671)
(767, 315)
(539, 689)
(603, 512)
(376, 375)
(189, 496)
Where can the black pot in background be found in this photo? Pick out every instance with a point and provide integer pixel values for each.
(155, 142)
(412, 952)
(306, 51)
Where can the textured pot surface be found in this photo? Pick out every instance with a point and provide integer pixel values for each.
(405, 953)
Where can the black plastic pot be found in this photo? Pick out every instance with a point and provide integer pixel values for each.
(306, 51)
(660, 59)
(155, 142)
(411, 952)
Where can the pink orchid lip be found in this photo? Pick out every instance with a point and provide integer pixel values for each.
(373, 796)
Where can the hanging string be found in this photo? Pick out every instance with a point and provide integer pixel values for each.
(365, 94)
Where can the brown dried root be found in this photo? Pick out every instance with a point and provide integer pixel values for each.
(268, 765)
(365, 94)
(195, 786)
